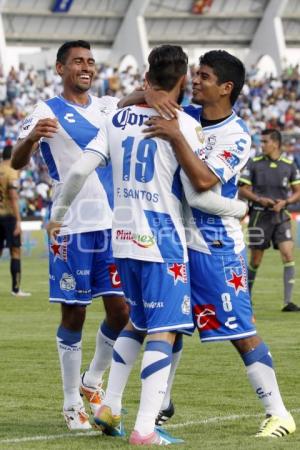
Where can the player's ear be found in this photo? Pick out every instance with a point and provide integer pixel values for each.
(146, 81)
(59, 68)
(183, 81)
(227, 87)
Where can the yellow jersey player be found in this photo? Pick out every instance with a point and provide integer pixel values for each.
(10, 220)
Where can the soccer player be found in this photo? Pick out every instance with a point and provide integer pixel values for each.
(220, 297)
(266, 182)
(148, 242)
(10, 219)
(81, 266)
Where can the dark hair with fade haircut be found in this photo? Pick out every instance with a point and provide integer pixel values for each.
(7, 151)
(226, 67)
(167, 63)
(62, 52)
(274, 134)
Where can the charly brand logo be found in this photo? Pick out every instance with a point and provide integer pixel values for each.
(69, 117)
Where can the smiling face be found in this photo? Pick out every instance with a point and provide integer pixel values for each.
(207, 90)
(205, 86)
(78, 70)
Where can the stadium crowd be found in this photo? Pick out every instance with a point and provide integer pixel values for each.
(267, 102)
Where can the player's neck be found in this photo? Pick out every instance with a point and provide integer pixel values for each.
(274, 156)
(215, 111)
(79, 98)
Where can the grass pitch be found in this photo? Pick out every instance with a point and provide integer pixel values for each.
(215, 405)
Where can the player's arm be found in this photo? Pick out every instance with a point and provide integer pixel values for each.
(75, 180)
(96, 154)
(212, 203)
(295, 187)
(246, 190)
(25, 147)
(157, 99)
(13, 197)
(293, 198)
(199, 174)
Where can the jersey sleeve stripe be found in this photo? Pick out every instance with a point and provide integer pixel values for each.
(245, 181)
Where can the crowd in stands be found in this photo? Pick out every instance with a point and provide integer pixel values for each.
(267, 102)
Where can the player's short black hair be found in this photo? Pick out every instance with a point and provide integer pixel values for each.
(167, 63)
(226, 67)
(7, 151)
(274, 134)
(63, 51)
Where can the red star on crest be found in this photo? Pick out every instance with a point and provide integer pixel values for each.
(227, 154)
(178, 272)
(55, 248)
(237, 282)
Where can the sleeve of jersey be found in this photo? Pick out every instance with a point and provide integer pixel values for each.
(99, 145)
(76, 178)
(14, 181)
(246, 175)
(229, 155)
(212, 203)
(295, 176)
(40, 111)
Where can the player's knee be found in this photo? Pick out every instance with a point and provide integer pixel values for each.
(15, 253)
(117, 314)
(255, 262)
(73, 317)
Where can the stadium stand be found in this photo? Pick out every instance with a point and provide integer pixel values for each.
(266, 102)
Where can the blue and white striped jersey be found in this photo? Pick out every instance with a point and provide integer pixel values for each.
(147, 219)
(78, 126)
(227, 150)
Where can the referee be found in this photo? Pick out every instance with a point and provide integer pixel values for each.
(10, 220)
(266, 182)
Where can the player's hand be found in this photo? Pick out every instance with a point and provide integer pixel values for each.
(266, 202)
(43, 128)
(162, 128)
(164, 105)
(279, 205)
(17, 229)
(53, 230)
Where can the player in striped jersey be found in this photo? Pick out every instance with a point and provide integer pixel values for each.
(220, 296)
(81, 266)
(148, 241)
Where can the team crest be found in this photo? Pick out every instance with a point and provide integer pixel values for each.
(236, 276)
(178, 272)
(67, 282)
(186, 305)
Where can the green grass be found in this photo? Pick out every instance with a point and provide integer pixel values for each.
(215, 405)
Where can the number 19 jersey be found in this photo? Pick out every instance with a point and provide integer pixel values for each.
(147, 218)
